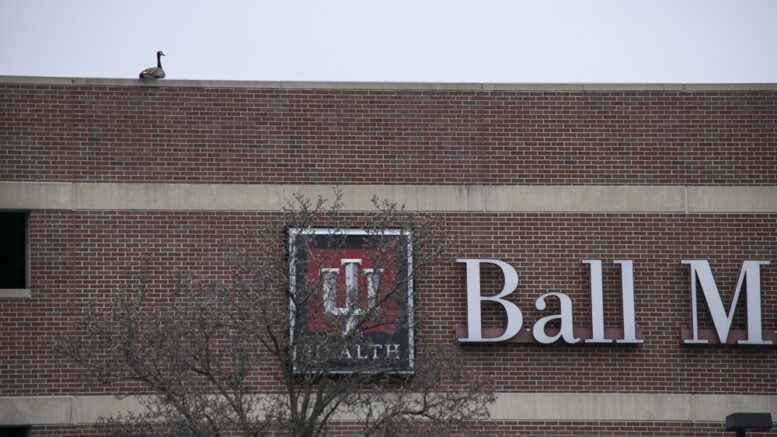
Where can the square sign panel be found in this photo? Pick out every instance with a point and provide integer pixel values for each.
(351, 304)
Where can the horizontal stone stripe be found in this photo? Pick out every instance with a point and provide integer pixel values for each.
(732, 199)
(431, 86)
(627, 406)
(36, 195)
(618, 407)
(15, 292)
(453, 198)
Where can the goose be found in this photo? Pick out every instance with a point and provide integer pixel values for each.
(154, 72)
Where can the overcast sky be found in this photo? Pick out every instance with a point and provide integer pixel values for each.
(679, 41)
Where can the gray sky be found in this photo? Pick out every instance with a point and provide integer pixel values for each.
(693, 41)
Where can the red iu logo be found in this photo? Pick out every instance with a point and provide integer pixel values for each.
(355, 282)
(358, 293)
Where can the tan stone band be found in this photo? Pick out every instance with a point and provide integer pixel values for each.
(618, 407)
(453, 198)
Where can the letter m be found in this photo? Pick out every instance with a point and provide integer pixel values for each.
(750, 275)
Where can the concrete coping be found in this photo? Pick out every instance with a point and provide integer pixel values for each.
(388, 86)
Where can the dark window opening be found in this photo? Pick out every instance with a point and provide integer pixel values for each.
(13, 250)
(14, 431)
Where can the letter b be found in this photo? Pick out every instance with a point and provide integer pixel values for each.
(514, 316)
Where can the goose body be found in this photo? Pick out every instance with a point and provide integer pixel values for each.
(154, 72)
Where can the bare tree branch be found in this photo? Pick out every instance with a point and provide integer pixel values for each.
(286, 346)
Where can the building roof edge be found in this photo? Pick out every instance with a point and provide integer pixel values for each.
(422, 86)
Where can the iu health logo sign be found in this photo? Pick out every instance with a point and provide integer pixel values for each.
(351, 299)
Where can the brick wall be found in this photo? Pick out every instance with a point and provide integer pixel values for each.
(504, 429)
(104, 133)
(78, 257)
(115, 133)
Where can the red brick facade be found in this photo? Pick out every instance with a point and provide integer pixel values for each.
(196, 134)
(171, 134)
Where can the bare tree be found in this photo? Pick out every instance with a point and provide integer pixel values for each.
(319, 328)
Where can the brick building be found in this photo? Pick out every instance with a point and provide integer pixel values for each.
(96, 175)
